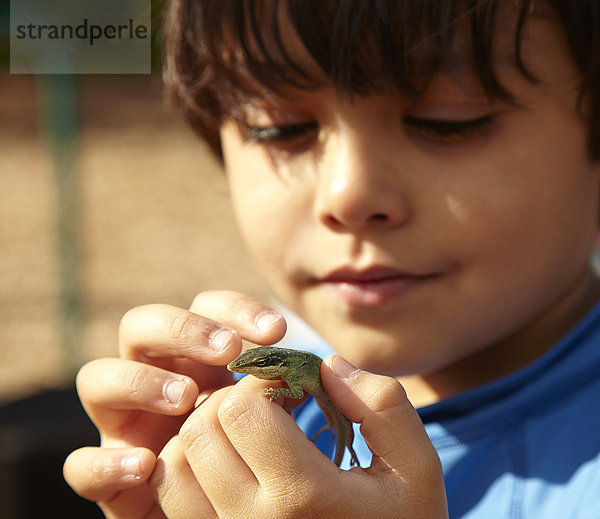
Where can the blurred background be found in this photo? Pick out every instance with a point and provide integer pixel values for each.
(107, 201)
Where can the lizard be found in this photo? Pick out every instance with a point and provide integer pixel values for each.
(301, 371)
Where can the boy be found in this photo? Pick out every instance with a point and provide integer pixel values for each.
(419, 181)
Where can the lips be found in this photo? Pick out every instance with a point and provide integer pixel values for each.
(374, 286)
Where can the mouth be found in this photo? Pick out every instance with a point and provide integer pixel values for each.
(374, 286)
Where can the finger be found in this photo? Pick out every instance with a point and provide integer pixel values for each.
(266, 440)
(216, 464)
(175, 487)
(255, 321)
(163, 331)
(389, 423)
(110, 389)
(99, 474)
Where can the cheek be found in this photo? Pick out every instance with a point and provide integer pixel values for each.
(273, 209)
(255, 197)
(260, 220)
(529, 231)
(272, 223)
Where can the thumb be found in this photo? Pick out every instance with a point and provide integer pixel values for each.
(390, 424)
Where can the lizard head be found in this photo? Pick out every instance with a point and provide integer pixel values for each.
(266, 362)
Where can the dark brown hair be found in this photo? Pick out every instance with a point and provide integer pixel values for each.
(214, 49)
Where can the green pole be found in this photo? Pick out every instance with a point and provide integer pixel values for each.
(59, 120)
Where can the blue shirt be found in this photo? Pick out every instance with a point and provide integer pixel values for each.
(525, 446)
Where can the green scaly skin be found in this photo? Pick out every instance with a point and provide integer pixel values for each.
(301, 371)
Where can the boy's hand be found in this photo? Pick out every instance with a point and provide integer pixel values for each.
(170, 356)
(238, 455)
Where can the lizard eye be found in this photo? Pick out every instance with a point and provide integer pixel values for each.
(261, 363)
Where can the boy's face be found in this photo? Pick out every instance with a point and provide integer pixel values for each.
(413, 234)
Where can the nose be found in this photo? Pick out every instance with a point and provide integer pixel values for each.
(360, 186)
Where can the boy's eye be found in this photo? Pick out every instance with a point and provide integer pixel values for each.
(444, 130)
(279, 133)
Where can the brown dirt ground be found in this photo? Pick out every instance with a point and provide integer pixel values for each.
(155, 220)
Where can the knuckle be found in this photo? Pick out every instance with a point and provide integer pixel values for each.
(243, 420)
(103, 470)
(241, 305)
(309, 499)
(389, 394)
(233, 410)
(183, 325)
(198, 430)
(135, 382)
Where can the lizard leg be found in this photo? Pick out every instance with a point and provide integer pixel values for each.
(344, 434)
(293, 391)
(326, 427)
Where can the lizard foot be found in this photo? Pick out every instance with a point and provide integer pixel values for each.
(271, 393)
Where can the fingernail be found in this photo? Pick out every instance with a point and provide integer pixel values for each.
(342, 368)
(132, 467)
(173, 390)
(266, 320)
(220, 338)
